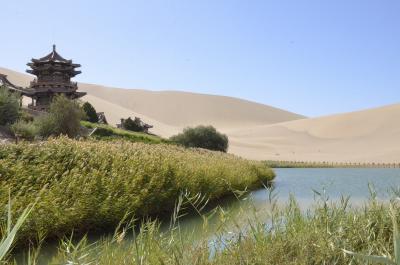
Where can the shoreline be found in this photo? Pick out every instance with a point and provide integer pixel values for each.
(306, 164)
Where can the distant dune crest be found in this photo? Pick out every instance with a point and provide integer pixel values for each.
(255, 130)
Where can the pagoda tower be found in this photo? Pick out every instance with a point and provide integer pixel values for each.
(54, 75)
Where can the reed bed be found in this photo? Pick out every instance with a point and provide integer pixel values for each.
(92, 185)
(288, 236)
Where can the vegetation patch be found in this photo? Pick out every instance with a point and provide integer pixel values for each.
(9, 107)
(91, 185)
(107, 132)
(281, 235)
(206, 137)
(90, 111)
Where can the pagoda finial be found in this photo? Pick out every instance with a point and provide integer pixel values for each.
(54, 47)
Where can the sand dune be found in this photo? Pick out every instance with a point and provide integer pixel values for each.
(170, 111)
(364, 136)
(183, 109)
(256, 131)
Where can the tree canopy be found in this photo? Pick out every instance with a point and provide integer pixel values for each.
(63, 118)
(203, 137)
(91, 114)
(9, 106)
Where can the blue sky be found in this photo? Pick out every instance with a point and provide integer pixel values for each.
(313, 57)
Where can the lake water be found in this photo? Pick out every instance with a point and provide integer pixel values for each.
(351, 182)
(302, 184)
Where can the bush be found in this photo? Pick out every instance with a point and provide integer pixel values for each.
(24, 130)
(93, 184)
(63, 118)
(203, 137)
(9, 106)
(132, 125)
(91, 114)
(24, 115)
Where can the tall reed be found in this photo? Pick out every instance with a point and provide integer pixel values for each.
(91, 185)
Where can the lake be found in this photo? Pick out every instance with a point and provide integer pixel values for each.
(351, 182)
(302, 184)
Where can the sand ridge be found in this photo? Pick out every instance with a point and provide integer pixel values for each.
(256, 131)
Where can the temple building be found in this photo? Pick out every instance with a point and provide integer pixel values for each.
(53, 77)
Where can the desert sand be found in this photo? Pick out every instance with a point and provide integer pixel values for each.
(256, 131)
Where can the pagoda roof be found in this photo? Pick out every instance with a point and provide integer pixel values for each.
(5, 82)
(52, 57)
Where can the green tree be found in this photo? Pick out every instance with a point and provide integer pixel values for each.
(9, 106)
(91, 114)
(63, 118)
(132, 125)
(203, 137)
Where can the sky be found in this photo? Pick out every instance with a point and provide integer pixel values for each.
(312, 57)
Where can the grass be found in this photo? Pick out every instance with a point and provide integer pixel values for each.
(286, 235)
(107, 132)
(91, 185)
(375, 259)
(10, 231)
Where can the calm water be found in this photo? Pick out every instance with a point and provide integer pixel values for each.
(302, 183)
(351, 182)
(299, 182)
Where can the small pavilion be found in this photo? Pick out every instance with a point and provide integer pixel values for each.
(53, 77)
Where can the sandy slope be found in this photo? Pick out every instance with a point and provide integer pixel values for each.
(364, 136)
(257, 131)
(170, 111)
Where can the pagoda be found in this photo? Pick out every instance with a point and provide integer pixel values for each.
(54, 75)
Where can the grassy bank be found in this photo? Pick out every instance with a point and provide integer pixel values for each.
(107, 132)
(91, 185)
(286, 236)
(308, 164)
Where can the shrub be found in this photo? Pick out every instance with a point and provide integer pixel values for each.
(132, 125)
(45, 125)
(24, 130)
(203, 137)
(24, 115)
(63, 118)
(9, 106)
(91, 114)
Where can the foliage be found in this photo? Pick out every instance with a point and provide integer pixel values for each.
(281, 234)
(91, 114)
(8, 237)
(91, 185)
(24, 130)
(375, 259)
(107, 132)
(203, 137)
(133, 125)
(25, 116)
(9, 106)
(63, 118)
